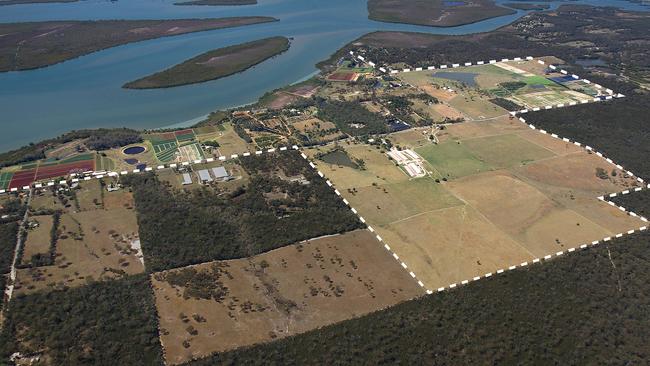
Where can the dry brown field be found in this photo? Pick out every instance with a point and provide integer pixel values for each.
(535, 196)
(38, 238)
(89, 195)
(277, 294)
(378, 169)
(44, 199)
(92, 245)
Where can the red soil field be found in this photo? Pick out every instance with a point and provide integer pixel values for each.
(22, 178)
(342, 76)
(183, 132)
(27, 177)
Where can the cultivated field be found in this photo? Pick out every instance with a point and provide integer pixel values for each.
(218, 306)
(498, 194)
(469, 89)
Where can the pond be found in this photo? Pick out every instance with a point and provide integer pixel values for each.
(338, 157)
(466, 78)
(134, 150)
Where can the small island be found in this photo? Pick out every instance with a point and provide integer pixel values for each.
(217, 2)
(436, 13)
(214, 64)
(32, 45)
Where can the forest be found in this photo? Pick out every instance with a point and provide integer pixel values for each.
(351, 117)
(8, 234)
(103, 323)
(572, 32)
(637, 202)
(98, 139)
(182, 227)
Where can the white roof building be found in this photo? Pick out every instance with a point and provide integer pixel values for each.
(220, 173)
(204, 176)
(187, 179)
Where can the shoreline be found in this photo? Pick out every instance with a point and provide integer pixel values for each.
(31, 68)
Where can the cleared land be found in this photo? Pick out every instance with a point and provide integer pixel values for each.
(214, 64)
(525, 83)
(219, 306)
(38, 238)
(47, 43)
(96, 239)
(498, 194)
(438, 13)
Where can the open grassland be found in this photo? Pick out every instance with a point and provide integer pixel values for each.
(219, 306)
(476, 107)
(507, 197)
(378, 169)
(391, 202)
(92, 246)
(47, 43)
(451, 159)
(436, 13)
(214, 64)
(230, 142)
(506, 151)
(89, 196)
(38, 238)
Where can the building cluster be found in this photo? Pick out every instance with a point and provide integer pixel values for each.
(219, 174)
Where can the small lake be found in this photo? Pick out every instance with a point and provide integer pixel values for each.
(466, 78)
(589, 62)
(86, 92)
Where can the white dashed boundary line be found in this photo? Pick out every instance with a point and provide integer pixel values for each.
(75, 178)
(607, 94)
(586, 147)
(370, 228)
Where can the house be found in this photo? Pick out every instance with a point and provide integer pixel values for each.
(204, 176)
(187, 179)
(112, 187)
(220, 173)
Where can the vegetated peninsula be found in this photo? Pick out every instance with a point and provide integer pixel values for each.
(16, 2)
(25, 46)
(438, 13)
(218, 2)
(214, 64)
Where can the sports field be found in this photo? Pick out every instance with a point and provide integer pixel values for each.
(219, 306)
(498, 194)
(175, 146)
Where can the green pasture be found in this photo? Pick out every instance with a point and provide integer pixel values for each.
(506, 151)
(452, 159)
